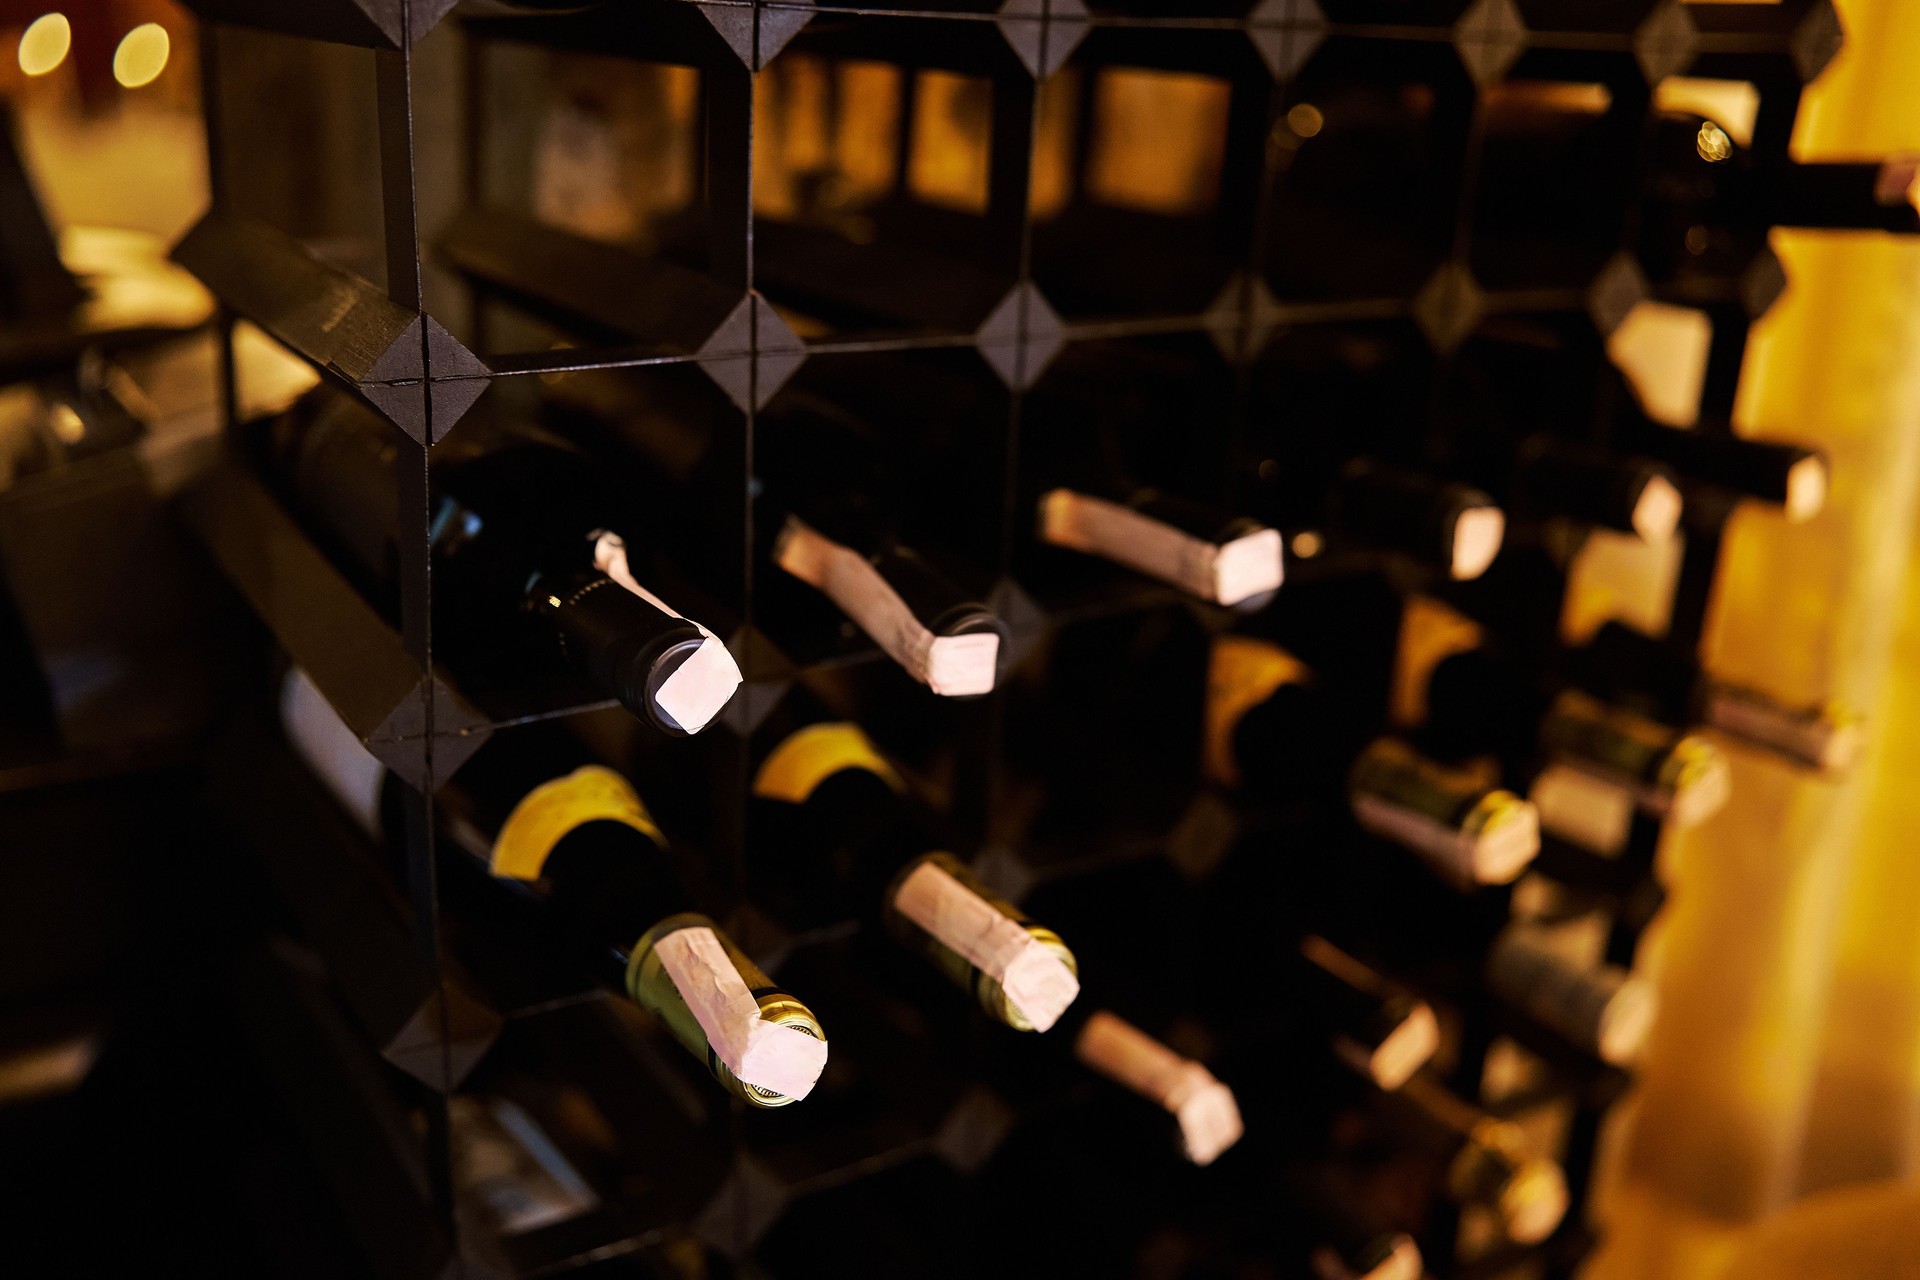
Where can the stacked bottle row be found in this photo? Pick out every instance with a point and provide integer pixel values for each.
(553, 572)
(1194, 702)
(884, 194)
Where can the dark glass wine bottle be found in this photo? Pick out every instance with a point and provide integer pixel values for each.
(1479, 702)
(1205, 1110)
(1216, 556)
(829, 508)
(531, 557)
(1702, 177)
(1780, 473)
(1552, 477)
(1624, 664)
(840, 810)
(1278, 737)
(1449, 526)
(1486, 1162)
(1600, 1008)
(1376, 1027)
(539, 812)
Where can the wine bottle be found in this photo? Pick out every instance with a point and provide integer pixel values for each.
(1377, 1028)
(1205, 1109)
(1595, 486)
(1537, 382)
(1276, 736)
(1351, 1242)
(1122, 457)
(842, 805)
(62, 420)
(1356, 1250)
(1215, 556)
(1486, 1161)
(831, 506)
(1478, 702)
(1603, 1009)
(1442, 523)
(536, 811)
(935, 631)
(1622, 663)
(528, 547)
(1792, 477)
(1703, 177)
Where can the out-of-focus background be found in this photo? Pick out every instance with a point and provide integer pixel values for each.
(1775, 1125)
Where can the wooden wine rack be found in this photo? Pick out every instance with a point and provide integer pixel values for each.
(993, 295)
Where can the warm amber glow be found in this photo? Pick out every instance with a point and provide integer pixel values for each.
(142, 55)
(950, 151)
(617, 150)
(1806, 489)
(1430, 633)
(68, 426)
(1657, 514)
(1535, 1201)
(1731, 104)
(44, 44)
(1305, 119)
(825, 145)
(1477, 534)
(1307, 544)
(1663, 350)
(1159, 140)
(1899, 182)
(1549, 95)
(1057, 120)
(1627, 1021)
(1712, 143)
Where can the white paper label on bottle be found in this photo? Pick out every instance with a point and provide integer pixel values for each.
(1208, 1115)
(695, 693)
(1248, 566)
(952, 666)
(1035, 979)
(765, 1054)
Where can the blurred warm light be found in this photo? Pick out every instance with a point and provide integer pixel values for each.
(1899, 181)
(1158, 141)
(1549, 95)
(48, 1071)
(1306, 544)
(1663, 350)
(1806, 489)
(1305, 119)
(1733, 105)
(1620, 576)
(142, 55)
(1430, 632)
(1057, 123)
(44, 44)
(68, 427)
(1713, 144)
(950, 149)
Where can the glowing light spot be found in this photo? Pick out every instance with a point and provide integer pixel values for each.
(1712, 143)
(142, 55)
(1305, 119)
(44, 44)
(68, 426)
(1307, 544)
